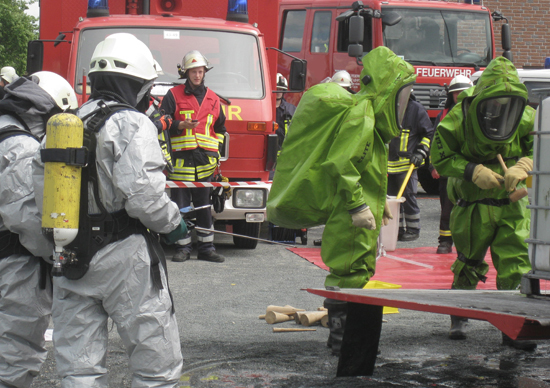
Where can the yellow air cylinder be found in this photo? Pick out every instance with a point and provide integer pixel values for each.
(61, 204)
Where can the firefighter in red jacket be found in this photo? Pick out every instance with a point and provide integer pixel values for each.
(196, 133)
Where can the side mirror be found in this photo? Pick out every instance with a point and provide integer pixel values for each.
(297, 77)
(506, 36)
(356, 29)
(355, 50)
(35, 56)
(59, 39)
(391, 18)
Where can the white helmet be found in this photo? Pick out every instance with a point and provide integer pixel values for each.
(58, 88)
(125, 54)
(460, 82)
(342, 78)
(281, 82)
(8, 74)
(195, 59)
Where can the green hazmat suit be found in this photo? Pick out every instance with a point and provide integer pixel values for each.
(334, 160)
(483, 218)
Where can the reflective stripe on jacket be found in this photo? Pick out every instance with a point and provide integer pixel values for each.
(203, 135)
(417, 131)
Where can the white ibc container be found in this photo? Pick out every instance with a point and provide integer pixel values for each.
(539, 241)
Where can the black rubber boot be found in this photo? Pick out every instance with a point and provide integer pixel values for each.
(520, 345)
(457, 331)
(361, 338)
(337, 312)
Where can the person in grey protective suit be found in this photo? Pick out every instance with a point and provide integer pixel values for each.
(25, 288)
(126, 279)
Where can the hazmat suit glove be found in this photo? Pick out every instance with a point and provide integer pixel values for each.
(177, 234)
(387, 216)
(485, 178)
(517, 173)
(364, 219)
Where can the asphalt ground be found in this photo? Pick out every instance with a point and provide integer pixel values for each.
(224, 344)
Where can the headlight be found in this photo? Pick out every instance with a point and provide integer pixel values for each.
(249, 198)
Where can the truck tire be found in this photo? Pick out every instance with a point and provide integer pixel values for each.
(429, 184)
(251, 229)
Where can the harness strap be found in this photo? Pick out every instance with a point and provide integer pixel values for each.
(69, 156)
(472, 263)
(485, 201)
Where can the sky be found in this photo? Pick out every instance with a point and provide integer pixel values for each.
(33, 9)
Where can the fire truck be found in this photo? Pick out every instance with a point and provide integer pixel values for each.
(232, 34)
(441, 39)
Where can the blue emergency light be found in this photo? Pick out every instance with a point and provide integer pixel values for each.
(237, 11)
(97, 8)
(547, 63)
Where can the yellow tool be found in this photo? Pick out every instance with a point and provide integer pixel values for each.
(402, 189)
(61, 204)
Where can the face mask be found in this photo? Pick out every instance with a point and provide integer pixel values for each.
(493, 115)
(401, 103)
(498, 118)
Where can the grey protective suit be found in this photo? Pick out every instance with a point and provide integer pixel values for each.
(25, 308)
(118, 283)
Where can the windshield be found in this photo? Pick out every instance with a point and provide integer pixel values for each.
(236, 72)
(440, 37)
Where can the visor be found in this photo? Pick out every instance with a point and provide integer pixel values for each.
(401, 102)
(499, 117)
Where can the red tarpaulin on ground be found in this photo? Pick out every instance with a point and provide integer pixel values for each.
(411, 268)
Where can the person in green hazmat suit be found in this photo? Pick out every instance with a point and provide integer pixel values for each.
(490, 119)
(332, 169)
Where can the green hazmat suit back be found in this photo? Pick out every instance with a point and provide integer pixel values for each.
(333, 146)
(334, 159)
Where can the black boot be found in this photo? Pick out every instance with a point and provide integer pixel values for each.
(337, 311)
(457, 328)
(361, 339)
(520, 345)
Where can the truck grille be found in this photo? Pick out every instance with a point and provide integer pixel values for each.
(431, 96)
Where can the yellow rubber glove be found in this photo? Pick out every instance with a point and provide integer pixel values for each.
(387, 216)
(485, 178)
(364, 219)
(517, 173)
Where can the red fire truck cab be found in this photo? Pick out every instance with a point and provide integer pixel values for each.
(440, 39)
(242, 74)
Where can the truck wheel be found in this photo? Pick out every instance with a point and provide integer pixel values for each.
(251, 229)
(429, 184)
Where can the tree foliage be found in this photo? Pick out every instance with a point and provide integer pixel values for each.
(16, 30)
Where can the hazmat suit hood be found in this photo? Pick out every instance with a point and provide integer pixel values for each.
(493, 112)
(391, 80)
(122, 88)
(28, 102)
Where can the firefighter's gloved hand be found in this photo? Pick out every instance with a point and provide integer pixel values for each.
(387, 216)
(177, 234)
(485, 178)
(163, 123)
(517, 173)
(418, 157)
(364, 219)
